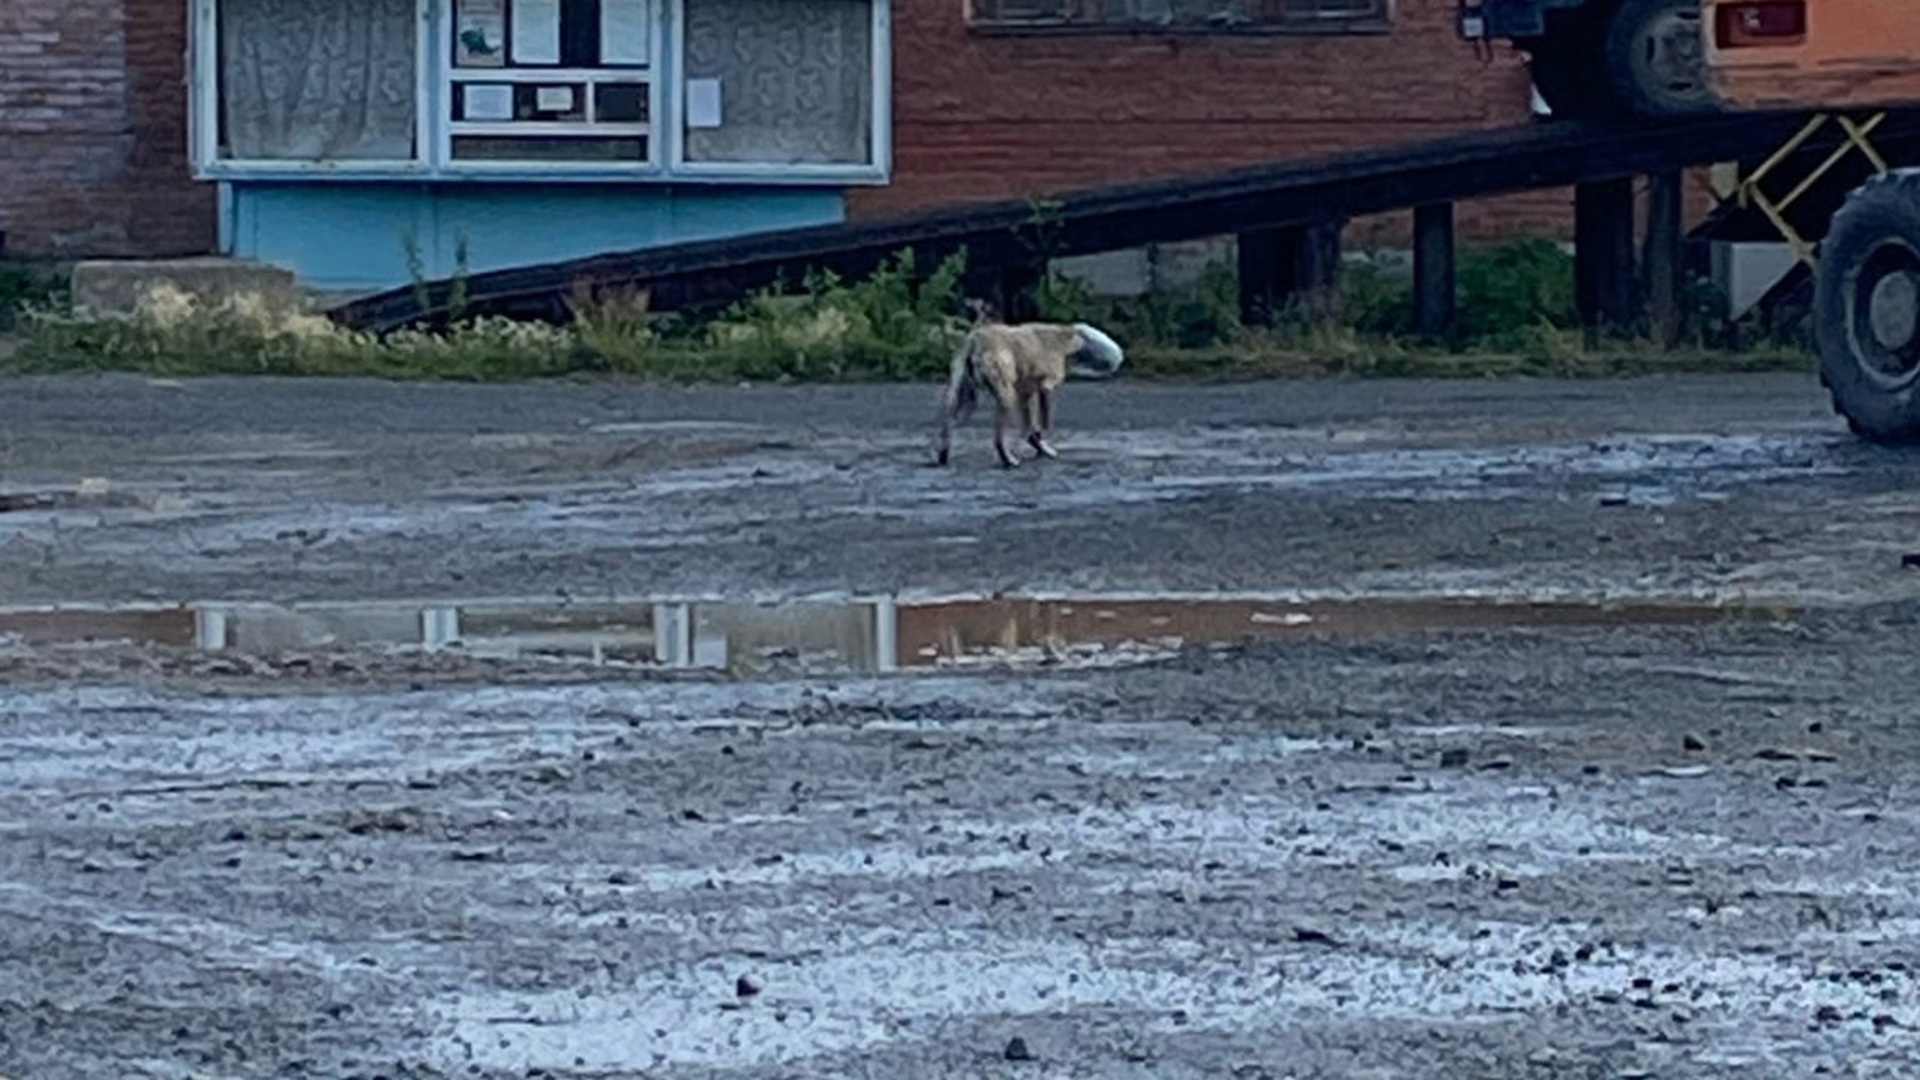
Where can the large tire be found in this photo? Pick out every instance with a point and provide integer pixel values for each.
(1867, 309)
(1653, 58)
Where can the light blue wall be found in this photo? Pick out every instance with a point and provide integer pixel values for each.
(351, 236)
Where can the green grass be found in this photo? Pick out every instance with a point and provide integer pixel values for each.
(1516, 319)
(24, 288)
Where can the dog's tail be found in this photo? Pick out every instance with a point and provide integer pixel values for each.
(960, 396)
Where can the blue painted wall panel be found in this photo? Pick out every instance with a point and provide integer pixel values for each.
(351, 236)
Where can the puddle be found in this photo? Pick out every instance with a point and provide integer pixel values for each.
(861, 635)
(944, 632)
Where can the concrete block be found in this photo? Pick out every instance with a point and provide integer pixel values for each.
(1181, 264)
(1743, 272)
(113, 288)
(1112, 273)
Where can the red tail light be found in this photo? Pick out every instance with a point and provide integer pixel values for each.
(1770, 22)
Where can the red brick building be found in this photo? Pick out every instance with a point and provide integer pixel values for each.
(1009, 98)
(93, 131)
(996, 112)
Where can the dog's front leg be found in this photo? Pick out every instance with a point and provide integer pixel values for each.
(1002, 427)
(1042, 423)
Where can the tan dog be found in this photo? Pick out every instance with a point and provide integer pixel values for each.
(1021, 366)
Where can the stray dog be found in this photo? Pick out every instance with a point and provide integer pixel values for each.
(1021, 365)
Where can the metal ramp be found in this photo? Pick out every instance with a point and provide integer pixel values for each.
(1011, 241)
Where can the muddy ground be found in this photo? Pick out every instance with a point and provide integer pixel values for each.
(1613, 851)
(233, 489)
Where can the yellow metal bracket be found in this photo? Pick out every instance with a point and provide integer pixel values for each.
(1749, 192)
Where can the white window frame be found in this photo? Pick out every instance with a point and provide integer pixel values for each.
(444, 126)
(435, 74)
(203, 112)
(880, 138)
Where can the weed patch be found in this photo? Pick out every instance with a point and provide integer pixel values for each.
(901, 323)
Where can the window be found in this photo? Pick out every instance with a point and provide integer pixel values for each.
(770, 91)
(317, 82)
(536, 82)
(1248, 16)
(779, 82)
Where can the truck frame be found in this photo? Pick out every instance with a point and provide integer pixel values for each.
(1843, 55)
(1594, 59)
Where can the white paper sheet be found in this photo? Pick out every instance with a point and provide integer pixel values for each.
(536, 31)
(553, 99)
(626, 32)
(703, 103)
(488, 102)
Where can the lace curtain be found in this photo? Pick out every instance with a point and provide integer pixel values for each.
(317, 81)
(796, 80)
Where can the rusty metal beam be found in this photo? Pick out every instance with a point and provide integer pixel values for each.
(1292, 193)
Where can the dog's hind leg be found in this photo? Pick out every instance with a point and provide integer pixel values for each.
(1009, 407)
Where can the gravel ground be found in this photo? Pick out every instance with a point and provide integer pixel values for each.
(1613, 851)
(235, 489)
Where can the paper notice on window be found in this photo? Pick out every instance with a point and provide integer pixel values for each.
(553, 99)
(536, 31)
(487, 102)
(626, 32)
(481, 34)
(703, 103)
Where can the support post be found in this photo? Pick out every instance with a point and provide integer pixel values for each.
(1316, 268)
(1665, 235)
(1434, 299)
(1257, 254)
(1005, 279)
(1603, 256)
(1019, 281)
(1288, 265)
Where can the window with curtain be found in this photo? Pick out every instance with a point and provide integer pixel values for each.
(779, 82)
(309, 82)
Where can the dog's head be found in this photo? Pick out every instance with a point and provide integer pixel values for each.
(1095, 355)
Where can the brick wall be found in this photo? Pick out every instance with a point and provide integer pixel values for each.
(996, 117)
(93, 106)
(93, 146)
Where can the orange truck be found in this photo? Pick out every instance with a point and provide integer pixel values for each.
(1843, 55)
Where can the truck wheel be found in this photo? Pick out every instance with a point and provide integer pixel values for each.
(1654, 60)
(1867, 309)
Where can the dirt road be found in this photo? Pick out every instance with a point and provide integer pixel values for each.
(284, 490)
(1607, 851)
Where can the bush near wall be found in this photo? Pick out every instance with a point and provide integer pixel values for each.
(26, 287)
(1516, 318)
